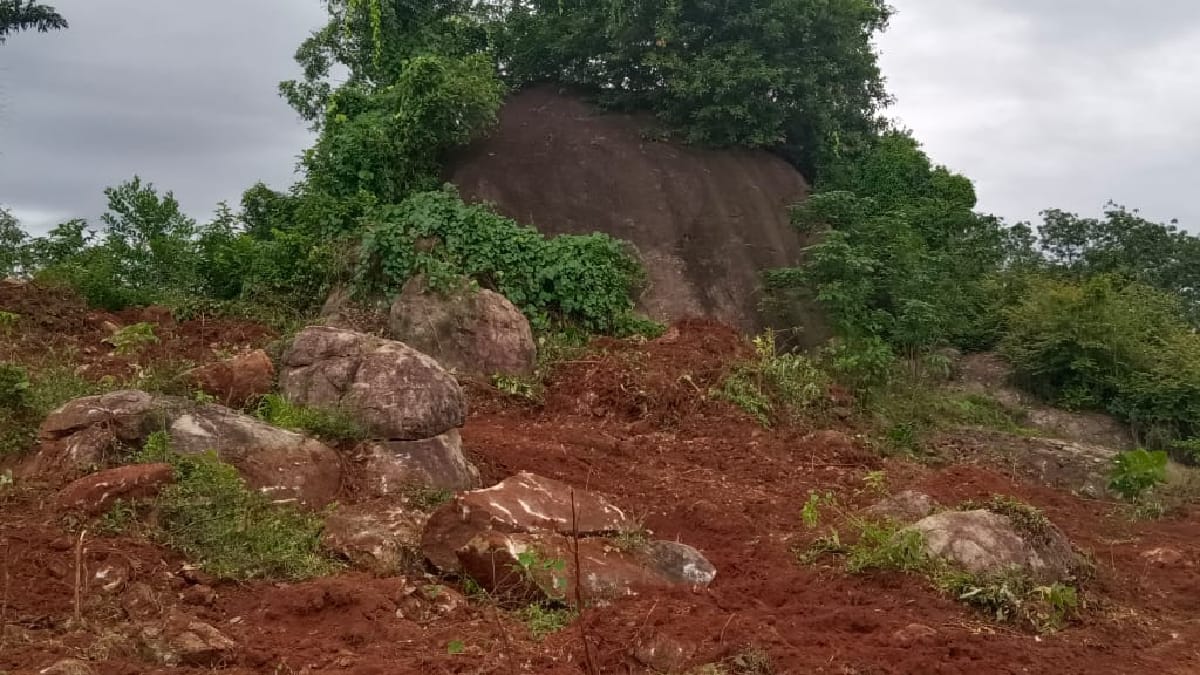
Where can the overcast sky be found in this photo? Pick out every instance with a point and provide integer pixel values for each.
(1063, 103)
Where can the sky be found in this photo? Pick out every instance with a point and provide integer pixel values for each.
(1065, 103)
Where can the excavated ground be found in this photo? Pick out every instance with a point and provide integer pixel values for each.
(632, 420)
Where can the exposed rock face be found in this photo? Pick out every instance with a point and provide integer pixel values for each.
(398, 467)
(517, 539)
(236, 381)
(987, 542)
(392, 389)
(286, 465)
(1082, 468)
(522, 504)
(470, 331)
(705, 222)
(97, 493)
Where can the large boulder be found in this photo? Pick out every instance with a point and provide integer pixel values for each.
(399, 467)
(469, 330)
(525, 503)
(84, 434)
(237, 381)
(985, 542)
(393, 390)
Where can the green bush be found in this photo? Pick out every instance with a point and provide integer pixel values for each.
(1103, 344)
(1136, 472)
(774, 386)
(585, 280)
(229, 530)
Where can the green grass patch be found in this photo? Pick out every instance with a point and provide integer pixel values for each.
(774, 387)
(326, 424)
(228, 529)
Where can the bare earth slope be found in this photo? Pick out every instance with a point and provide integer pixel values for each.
(705, 222)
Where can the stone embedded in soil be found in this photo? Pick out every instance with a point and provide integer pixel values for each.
(236, 381)
(184, 640)
(913, 633)
(986, 542)
(393, 390)
(538, 567)
(429, 602)
(399, 467)
(68, 667)
(470, 331)
(128, 414)
(524, 503)
(97, 493)
(904, 507)
(383, 538)
(664, 654)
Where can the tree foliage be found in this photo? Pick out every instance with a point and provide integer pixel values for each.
(25, 15)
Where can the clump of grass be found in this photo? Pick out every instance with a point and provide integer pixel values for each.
(773, 385)
(543, 620)
(229, 530)
(1012, 596)
(331, 425)
(26, 399)
(530, 388)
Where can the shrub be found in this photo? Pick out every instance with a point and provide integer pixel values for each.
(1136, 472)
(131, 339)
(585, 280)
(231, 531)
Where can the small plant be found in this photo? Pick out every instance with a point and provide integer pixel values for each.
(772, 382)
(1012, 596)
(903, 437)
(1136, 472)
(876, 482)
(427, 499)
(231, 531)
(534, 568)
(528, 388)
(14, 386)
(333, 425)
(8, 322)
(632, 540)
(886, 547)
(133, 338)
(544, 620)
(455, 647)
(811, 513)
(118, 519)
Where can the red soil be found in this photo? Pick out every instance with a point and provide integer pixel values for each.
(630, 420)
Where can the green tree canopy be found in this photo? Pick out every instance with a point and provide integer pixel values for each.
(22, 15)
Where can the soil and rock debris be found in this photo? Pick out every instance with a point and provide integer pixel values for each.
(626, 442)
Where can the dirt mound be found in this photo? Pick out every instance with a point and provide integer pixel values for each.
(54, 323)
(705, 222)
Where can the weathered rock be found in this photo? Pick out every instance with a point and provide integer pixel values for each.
(395, 391)
(97, 493)
(524, 503)
(285, 465)
(986, 542)
(68, 667)
(399, 467)
(468, 330)
(905, 507)
(184, 640)
(236, 381)
(542, 566)
(383, 539)
(430, 602)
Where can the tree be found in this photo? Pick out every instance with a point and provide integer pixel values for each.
(12, 244)
(22, 15)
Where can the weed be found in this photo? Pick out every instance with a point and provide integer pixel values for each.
(876, 482)
(118, 519)
(772, 382)
(632, 540)
(535, 568)
(333, 425)
(231, 531)
(884, 546)
(455, 647)
(529, 388)
(903, 437)
(1012, 596)
(1136, 472)
(133, 338)
(427, 499)
(1028, 519)
(543, 620)
(811, 513)
(8, 322)
(14, 386)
